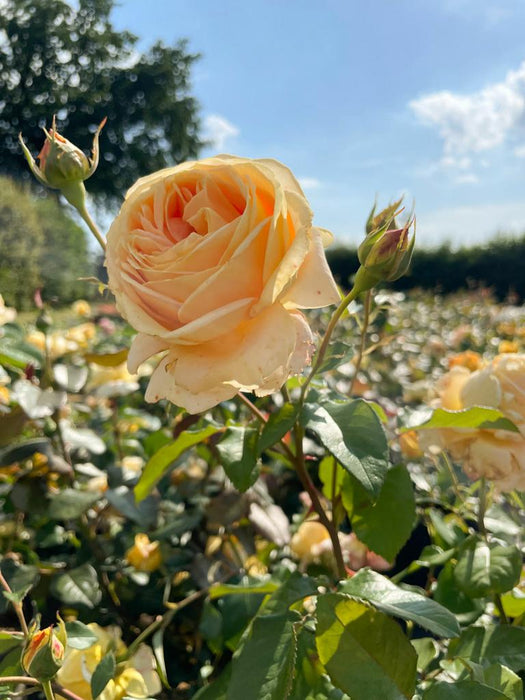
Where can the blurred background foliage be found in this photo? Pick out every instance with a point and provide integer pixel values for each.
(70, 61)
(42, 248)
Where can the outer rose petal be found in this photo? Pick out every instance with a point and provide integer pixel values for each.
(260, 357)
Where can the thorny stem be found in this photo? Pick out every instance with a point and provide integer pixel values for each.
(482, 507)
(308, 484)
(362, 341)
(17, 606)
(346, 301)
(299, 463)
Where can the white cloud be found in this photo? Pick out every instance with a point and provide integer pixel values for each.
(470, 224)
(309, 183)
(218, 130)
(475, 122)
(519, 151)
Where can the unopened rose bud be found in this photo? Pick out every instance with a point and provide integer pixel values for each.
(63, 166)
(386, 252)
(144, 555)
(44, 652)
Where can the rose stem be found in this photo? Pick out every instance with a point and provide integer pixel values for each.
(298, 461)
(364, 329)
(17, 606)
(352, 294)
(308, 484)
(92, 226)
(48, 690)
(483, 530)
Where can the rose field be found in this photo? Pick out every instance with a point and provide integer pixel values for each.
(185, 555)
(224, 477)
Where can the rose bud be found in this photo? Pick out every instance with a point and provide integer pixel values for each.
(144, 555)
(63, 166)
(386, 252)
(44, 652)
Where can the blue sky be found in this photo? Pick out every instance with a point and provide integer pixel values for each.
(365, 100)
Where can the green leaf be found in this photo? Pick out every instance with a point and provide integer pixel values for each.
(102, 674)
(486, 568)
(353, 434)
(427, 650)
(480, 417)
(159, 464)
(384, 526)
(463, 690)
(504, 644)
(70, 503)
(78, 587)
(364, 652)
(279, 423)
(20, 577)
(239, 456)
(446, 593)
(20, 356)
(385, 596)
(311, 681)
(223, 589)
(262, 669)
(79, 636)
(24, 450)
(504, 680)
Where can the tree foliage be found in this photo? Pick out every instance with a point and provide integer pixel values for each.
(42, 248)
(21, 242)
(55, 58)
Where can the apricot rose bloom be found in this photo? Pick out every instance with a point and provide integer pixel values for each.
(498, 455)
(210, 261)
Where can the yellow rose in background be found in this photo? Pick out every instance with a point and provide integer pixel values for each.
(144, 555)
(498, 455)
(81, 308)
(135, 677)
(210, 261)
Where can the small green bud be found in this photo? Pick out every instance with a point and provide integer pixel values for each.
(63, 166)
(44, 651)
(386, 251)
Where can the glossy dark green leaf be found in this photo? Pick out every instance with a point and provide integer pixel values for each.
(386, 596)
(484, 568)
(239, 456)
(77, 587)
(501, 644)
(463, 690)
(103, 673)
(279, 423)
(262, 669)
(353, 434)
(384, 526)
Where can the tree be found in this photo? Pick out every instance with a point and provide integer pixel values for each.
(21, 242)
(65, 258)
(55, 58)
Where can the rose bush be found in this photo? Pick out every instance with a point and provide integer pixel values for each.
(210, 261)
(498, 455)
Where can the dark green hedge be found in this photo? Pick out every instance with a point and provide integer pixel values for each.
(498, 265)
